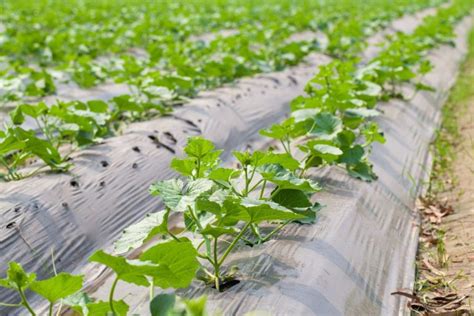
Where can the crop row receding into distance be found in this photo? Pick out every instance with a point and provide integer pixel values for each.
(215, 201)
(188, 69)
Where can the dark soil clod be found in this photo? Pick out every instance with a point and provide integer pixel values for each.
(104, 163)
(136, 149)
(11, 225)
(74, 183)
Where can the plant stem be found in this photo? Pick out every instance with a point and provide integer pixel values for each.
(198, 224)
(256, 231)
(10, 305)
(256, 185)
(273, 232)
(24, 301)
(234, 242)
(198, 167)
(152, 290)
(264, 185)
(275, 192)
(173, 236)
(246, 190)
(251, 178)
(216, 267)
(111, 296)
(50, 313)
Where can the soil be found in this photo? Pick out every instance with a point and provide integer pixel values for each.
(445, 283)
(459, 226)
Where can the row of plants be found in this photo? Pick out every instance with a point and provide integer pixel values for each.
(223, 207)
(184, 71)
(37, 33)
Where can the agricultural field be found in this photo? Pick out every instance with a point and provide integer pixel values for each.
(233, 157)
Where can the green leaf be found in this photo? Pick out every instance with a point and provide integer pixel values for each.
(196, 306)
(135, 235)
(17, 278)
(362, 171)
(305, 114)
(131, 271)
(286, 179)
(202, 157)
(162, 305)
(260, 211)
(372, 133)
(291, 198)
(184, 166)
(103, 308)
(283, 159)
(362, 112)
(352, 155)
(224, 174)
(326, 126)
(17, 116)
(57, 287)
(217, 231)
(177, 263)
(125, 103)
(78, 302)
(179, 196)
(299, 202)
(423, 87)
(98, 106)
(198, 147)
(327, 152)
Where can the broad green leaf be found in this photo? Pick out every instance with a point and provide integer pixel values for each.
(196, 306)
(259, 158)
(17, 116)
(131, 271)
(57, 287)
(260, 211)
(177, 195)
(98, 106)
(362, 112)
(372, 133)
(198, 147)
(78, 302)
(135, 235)
(216, 231)
(326, 126)
(362, 171)
(126, 103)
(17, 278)
(327, 152)
(423, 87)
(283, 159)
(103, 308)
(298, 202)
(352, 155)
(184, 166)
(291, 198)
(223, 174)
(286, 179)
(177, 263)
(162, 305)
(305, 114)
(371, 89)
